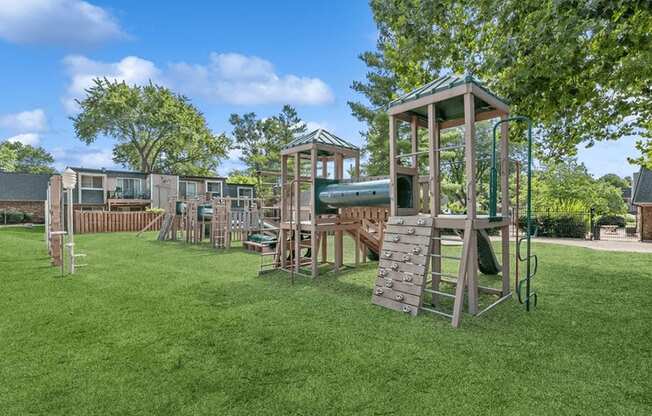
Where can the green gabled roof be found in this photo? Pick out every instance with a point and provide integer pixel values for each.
(441, 84)
(320, 136)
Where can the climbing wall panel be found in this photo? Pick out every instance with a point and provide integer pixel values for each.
(403, 265)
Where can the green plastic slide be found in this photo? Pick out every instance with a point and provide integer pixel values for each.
(487, 261)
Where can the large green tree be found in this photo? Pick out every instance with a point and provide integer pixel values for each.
(581, 70)
(155, 130)
(558, 186)
(18, 157)
(261, 140)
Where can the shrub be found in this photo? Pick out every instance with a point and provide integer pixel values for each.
(611, 220)
(13, 217)
(155, 210)
(27, 217)
(557, 226)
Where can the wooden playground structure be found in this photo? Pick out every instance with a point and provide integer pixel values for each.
(218, 220)
(410, 272)
(412, 230)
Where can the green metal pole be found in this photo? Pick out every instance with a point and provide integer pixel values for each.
(493, 198)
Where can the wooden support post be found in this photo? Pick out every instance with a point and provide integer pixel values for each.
(504, 188)
(297, 211)
(324, 237)
(339, 235)
(435, 194)
(393, 152)
(414, 140)
(314, 248)
(283, 234)
(357, 247)
(56, 225)
(465, 266)
(470, 169)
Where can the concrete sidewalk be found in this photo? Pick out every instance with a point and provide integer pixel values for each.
(626, 246)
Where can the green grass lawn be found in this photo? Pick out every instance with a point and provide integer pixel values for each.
(165, 328)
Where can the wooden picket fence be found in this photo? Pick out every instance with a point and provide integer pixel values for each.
(114, 221)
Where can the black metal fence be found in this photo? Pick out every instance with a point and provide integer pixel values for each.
(584, 225)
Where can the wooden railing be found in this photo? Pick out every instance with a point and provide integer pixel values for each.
(114, 221)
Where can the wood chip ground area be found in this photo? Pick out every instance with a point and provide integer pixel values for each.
(403, 264)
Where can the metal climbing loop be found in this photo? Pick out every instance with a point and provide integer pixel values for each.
(531, 260)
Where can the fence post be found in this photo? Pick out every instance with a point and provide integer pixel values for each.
(592, 225)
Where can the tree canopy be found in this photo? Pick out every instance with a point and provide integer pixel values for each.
(581, 70)
(261, 140)
(560, 186)
(155, 130)
(18, 157)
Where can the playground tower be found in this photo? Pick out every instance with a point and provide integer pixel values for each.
(412, 244)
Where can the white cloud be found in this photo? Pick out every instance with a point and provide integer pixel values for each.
(82, 156)
(31, 139)
(33, 120)
(82, 71)
(314, 125)
(228, 78)
(96, 159)
(247, 80)
(57, 22)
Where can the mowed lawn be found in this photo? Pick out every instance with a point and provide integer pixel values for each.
(170, 329)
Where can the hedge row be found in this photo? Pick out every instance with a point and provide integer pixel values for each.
(558, 226)
(15, 217)
(611, 220)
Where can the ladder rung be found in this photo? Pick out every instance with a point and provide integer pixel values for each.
(443, 275)
(451, 147)
(437, 312)
(447, 239)
(446, 257)
(411, 154)
(437, 292)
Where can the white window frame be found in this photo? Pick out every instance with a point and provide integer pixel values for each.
(186, 182)
(210, 192)
(140, 180)
(83, 188)
(245, 188)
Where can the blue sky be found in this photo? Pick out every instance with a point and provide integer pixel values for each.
(226, 56)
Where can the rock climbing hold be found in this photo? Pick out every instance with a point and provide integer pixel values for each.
(394, 266)
(411, 230)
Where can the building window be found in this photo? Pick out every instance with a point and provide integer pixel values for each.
(214, 189)
(129, 187)
(91, 189)
(92, 182)
(187, 189)
(244, 193)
